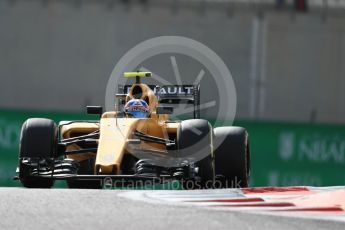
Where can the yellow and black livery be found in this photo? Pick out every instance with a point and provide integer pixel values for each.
(122, 148)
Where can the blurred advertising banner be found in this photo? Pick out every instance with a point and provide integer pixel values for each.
(282, 154)
(296, 154)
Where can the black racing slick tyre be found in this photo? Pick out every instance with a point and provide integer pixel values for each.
(195, 136)
(232, 157)
(38, 141)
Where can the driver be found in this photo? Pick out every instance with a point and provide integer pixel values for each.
(137, 108)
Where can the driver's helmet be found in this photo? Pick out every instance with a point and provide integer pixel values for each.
(137, 108)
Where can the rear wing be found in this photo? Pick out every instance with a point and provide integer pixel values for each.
(173, 94)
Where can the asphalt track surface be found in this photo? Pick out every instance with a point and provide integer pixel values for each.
(22, 208)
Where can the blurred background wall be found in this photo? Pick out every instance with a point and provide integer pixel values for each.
(287, 59)
(286, 65)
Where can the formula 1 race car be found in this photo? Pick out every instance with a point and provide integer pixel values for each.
(137, 142)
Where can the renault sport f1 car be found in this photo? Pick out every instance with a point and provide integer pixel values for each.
(135, 142)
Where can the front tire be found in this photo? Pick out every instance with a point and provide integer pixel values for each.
(195, 136)
(37, 143)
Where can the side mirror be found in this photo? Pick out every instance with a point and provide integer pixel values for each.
(98, 110)
(164, 109)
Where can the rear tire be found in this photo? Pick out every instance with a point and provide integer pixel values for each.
(37, 141)
(232, 157)
(195, 135)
